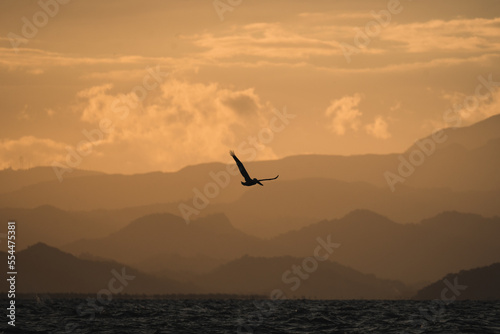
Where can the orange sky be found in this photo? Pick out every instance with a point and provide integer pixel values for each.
(158, 85)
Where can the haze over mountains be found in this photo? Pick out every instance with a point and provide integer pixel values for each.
(442, 219)
(444, 167)
(331, 280)
(48, 270)
(212, 236)
(412, 253)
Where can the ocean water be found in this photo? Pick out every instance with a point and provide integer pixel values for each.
(47, 315)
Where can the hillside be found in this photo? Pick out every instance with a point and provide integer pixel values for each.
(329, 281)
(290, 205)
(44, 269)
(472, 136)
(412, 253)
(12, 180)
(56, 227)
(47, 270)
(146, 237)
(478, 283)
(370, 243)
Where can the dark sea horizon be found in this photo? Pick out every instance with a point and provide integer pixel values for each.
(148, 316)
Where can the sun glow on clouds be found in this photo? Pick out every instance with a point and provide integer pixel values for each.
(30, 149)
(265, 41)
(477, 110)
(182, 123)
(465, 35)
(344, 114)
(229, 75)
(378, 129)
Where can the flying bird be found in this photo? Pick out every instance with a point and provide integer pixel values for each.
(248, 180)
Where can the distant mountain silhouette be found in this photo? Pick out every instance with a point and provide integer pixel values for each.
(287, 205)
(294, 204)
(44, 269)
(134, 219)
(478, 283)
(472, 136)
(467, 160)
(371, 243)
(57, 227)
(459, 168)
(330, 281)
(173, 265)
(12, 180)
(212, 236)
(48, 270)
(412, 253)
(108, 191)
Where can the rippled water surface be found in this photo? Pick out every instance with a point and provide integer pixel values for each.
(48, 315)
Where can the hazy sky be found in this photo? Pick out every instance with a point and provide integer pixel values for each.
(159, 84)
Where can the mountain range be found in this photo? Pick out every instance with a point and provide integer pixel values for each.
(370, 243)
(44, 269)
(198, 230)
(477, 284)
(47, 270)
(468, 151)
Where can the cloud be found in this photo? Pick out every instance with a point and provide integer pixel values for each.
(314, 35)
(36, 71)
(185, 122)
(50, 112)
(311, 39)
(470, 108)
(378, 128)
(24, 115)
(331, 16)
(243, 103)
(31, 151)
(37, 61)
(263, 40)
(459, 35)
(178, 124)
(343, 113)
(395, 106)
(463, 109)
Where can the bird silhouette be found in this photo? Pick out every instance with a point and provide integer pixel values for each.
(248, 180)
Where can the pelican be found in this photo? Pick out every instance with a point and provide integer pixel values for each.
(248, 180)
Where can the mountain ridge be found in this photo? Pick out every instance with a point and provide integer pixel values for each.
(460, 168)
(369, 242)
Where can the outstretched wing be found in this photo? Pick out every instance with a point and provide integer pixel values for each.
(242, 169)
(274, 178)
